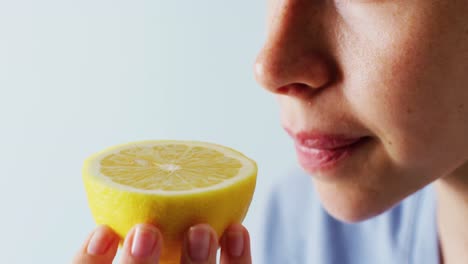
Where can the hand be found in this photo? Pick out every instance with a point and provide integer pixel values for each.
(143, 246)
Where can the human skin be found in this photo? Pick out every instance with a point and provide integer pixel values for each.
(392, 71)
(143, 244)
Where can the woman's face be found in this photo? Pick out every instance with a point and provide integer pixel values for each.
(374, 92)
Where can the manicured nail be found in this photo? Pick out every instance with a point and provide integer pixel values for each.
(235, 243)
(99, 242)
(199, 243)
(144, 242)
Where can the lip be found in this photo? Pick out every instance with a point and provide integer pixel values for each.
(321, 151)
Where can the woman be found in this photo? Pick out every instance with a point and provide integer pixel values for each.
(375, 95)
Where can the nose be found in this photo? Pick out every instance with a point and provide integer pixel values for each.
(294, 54)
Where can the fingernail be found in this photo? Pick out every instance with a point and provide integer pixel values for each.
(144, 242)
(99, 242)
(235, 243)
(199, 243)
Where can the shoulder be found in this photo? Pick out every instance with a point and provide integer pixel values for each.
(290, 205)
(299, 230)
(292, 202)
(292, 191)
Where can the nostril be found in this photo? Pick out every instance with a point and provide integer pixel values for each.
(298, 90)
(283, 90)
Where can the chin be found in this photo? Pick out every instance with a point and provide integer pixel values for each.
(352, 206)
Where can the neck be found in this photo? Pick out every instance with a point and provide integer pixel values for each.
(452, 216)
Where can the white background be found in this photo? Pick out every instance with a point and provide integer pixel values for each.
(79, 76)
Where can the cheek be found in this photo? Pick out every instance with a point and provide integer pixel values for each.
(408, 92)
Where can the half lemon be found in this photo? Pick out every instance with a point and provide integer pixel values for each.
(171, 184)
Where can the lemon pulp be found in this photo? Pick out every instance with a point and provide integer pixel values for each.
(171, 184)
(171, 167)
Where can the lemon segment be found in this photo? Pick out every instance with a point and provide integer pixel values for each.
(171, 184)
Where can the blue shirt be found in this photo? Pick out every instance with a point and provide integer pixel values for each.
(300, 231)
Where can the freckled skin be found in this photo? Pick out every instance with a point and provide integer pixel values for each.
(396, 71)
